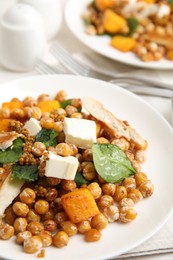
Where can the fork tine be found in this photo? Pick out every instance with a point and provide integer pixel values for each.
(68, 61)
(42, 67)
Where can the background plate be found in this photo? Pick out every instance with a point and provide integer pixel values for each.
(101, 44)
(153, 212)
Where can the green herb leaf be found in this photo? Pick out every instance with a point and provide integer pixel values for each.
(111, 162)
(48, 137)
(171, 2)
(25, 172)
(66, 102)
(133, 25)
(13, 153)
(80, 180)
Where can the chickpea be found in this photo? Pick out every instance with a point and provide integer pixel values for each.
(20, 209)
(50, 225)
(63, 149)
(102, 140)
(4, 113)
(122, 143)
(58, 126)
(146, 188)
(41, 207)
(27, 196)
(68, 185)
(83, 226)
(36, 113)
(35, 227)
(17, 113)
(140, 156)
(126, 202)
(105, 201)
(43, 97)
(76, 115)
(6, 232)
(99, 221)
(87, 155)
(135, 195)
(20, 224)
(32, 244)
(127, 214)
(10, 216)
(29, 102)
(57, 203)
(130, 155)
(38, 148)
(70, 110)
(61, 95)
(21, 236)
(60, 239)
(52, 181)
(47, 123)
(111, 213)
(60, 217)
(79, 157)
(95, 190)
(69, 227)
(108, 189)
(136, 165)
(89, 171)
(76, 102)
(120, 193)
(92, 235)
(49, 215)
(74, 149)
(46, 238)
(139, 178)
(51, 194)
(129, 183)
(33, 216)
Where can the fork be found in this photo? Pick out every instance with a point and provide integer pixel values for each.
(66, 59)
(44, 68)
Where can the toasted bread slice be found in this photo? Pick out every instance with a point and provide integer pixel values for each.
(9, 189)
(114, 126)
(6, 139)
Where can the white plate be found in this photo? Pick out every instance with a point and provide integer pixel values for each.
(152, 212)
(101, 44)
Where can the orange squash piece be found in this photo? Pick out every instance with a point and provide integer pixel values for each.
(104, 4)
(112, 22)
(79, 205)
(12, 105)
(122, 43)
(4, 124)
(48, 106)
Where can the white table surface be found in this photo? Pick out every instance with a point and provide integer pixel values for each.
(73, 45)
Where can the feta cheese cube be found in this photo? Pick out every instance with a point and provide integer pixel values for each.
(81, 132)
(61, 167)
(33, 126)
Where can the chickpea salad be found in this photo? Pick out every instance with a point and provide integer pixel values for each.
(144, 27)
(67, 167)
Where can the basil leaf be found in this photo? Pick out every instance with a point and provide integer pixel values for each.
(65, 103)
(133, 25)
(111, 162)
(171, 2)
(47, 137)
(25, 172)
(13, 153)
(80, 180)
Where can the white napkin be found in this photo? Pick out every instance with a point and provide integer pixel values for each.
(111, 68)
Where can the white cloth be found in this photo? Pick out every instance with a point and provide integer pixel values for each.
(160, 246)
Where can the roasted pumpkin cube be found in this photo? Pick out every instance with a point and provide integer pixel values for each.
(112, 22)
(79, 205)
(5, 124)
(12, 105)
(122, 43)
(104, 4)
(48, 105)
